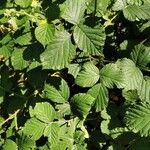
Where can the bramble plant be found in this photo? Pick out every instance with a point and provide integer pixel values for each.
(74, 74)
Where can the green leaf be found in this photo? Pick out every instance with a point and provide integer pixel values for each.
(74, 11)
(130, 96)
(100, 93)
(18, 61)
(52, 132)
(136, 2)
(119, 5)
(25, 143)
(100, 7)
(10, 145)
(44, 33)
(138, 119)
(90, 40)
(141, 56)
(81, 104)
(24, 39)
(144, 90)
(131, 75)
(60, 95)
(88, 76)
(111, 75)
(23, 4)
(44, 112)
(59, 52)
(134, 12)
(74, 69)
(34, 128)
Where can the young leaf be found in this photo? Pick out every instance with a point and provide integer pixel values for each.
(138, 119)
(81, 104)
(60, 95)
(74, 11)
(90, 40)
(44, 112)
(100, 93)
(59, 52)
(44, 33)
(88, 76)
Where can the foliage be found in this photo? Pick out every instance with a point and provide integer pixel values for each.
(74, 74)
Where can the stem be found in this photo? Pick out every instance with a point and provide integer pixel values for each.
(95, 7)
(13, 116)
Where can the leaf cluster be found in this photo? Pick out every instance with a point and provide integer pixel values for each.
(74, 74)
